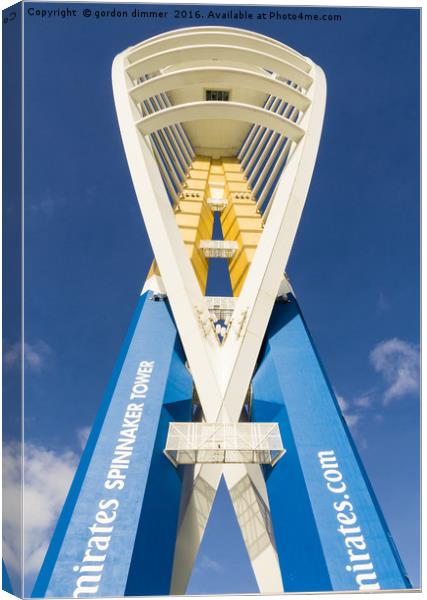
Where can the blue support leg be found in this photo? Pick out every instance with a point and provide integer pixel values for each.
(329, 529)
(107, 515)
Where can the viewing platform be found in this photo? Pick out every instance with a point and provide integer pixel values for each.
(217, 204)
(195, 443)
(220, 307)
(218, 248)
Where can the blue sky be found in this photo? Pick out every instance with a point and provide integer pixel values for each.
(354, 265)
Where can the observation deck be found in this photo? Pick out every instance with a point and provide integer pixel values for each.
(218, 248)
(201, 443)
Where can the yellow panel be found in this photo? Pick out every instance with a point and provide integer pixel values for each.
(241, 267)
(242, 211)
(201, 163)
(188, 235)
(231, 167)
(250, 238)
(217, 191)
(199, 262)
(192, 207)
(250, 223)
(219, 178)
(204, 225)
(154, 270)
(234, 176)
(246, 210)
(197, 174)
(194, 217)
(239, 261)
(241, 222)
(201, 219)
(185, 220)
(195, 184)
(233, 227)
(238, 284)
(236, 186)
(240, 208)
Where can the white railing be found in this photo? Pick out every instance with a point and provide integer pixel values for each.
(218, 248)
(195, 443)
(221, 307)
(217, 204)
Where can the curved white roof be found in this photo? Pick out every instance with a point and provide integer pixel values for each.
(184, 63)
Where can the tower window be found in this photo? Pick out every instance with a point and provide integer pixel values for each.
(218, 95)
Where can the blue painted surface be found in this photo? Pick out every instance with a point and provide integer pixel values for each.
(12, 142)
(152, 561)
(12, 218)
(291, 388)
(301, 555)
(152, 338)
(5, 581)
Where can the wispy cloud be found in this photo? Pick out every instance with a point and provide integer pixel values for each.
(209, 564)
(49, 203)
(82, 436)
(383, 305)
(36, 355)
(352, 418)
(46, 204)
(364, 401)
(47, 477)
(342, 402)
(12, 507)
(399, 364)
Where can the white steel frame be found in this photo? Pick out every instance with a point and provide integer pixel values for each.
(292, 117)
(200, 443)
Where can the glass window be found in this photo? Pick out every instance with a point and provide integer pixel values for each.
(218, 95)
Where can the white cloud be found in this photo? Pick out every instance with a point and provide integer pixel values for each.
(46, 204)
(210, 564)
(82, 436)
(351, 418)
(35, 355)
(12, 506)
(399, 364)
(48, 476)
(342, 402)
(364, 401)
